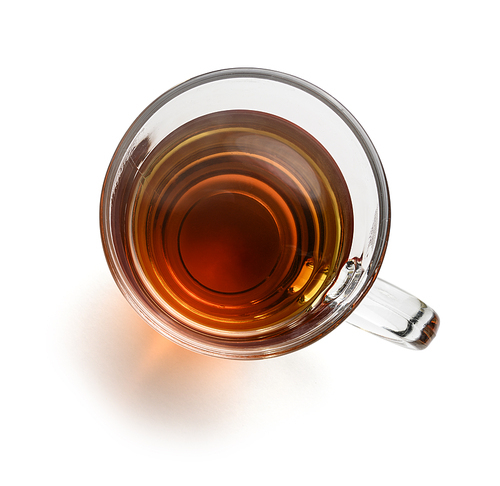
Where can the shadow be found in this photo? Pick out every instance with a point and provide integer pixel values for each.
(147, 376)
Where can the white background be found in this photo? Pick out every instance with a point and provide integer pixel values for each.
(91, 395)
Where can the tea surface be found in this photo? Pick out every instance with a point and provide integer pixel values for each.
(239, 220)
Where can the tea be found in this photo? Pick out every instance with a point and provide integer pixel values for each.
(238, 220)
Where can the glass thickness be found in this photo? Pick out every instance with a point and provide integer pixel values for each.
(245, 214)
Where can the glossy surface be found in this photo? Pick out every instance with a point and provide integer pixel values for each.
(239, 220)
(168, 174)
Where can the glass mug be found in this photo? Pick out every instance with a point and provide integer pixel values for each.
(245, 214)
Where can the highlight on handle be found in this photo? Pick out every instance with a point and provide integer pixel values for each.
(395, 315)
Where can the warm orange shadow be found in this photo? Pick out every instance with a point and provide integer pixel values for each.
(146, 374)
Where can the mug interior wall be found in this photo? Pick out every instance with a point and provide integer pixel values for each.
(296, 105)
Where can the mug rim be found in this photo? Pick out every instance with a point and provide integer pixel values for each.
(380, 245)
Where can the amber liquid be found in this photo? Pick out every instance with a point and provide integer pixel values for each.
(239, 221)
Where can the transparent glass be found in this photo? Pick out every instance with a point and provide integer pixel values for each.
(352, 294)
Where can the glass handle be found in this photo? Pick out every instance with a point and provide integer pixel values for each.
(395, 315)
